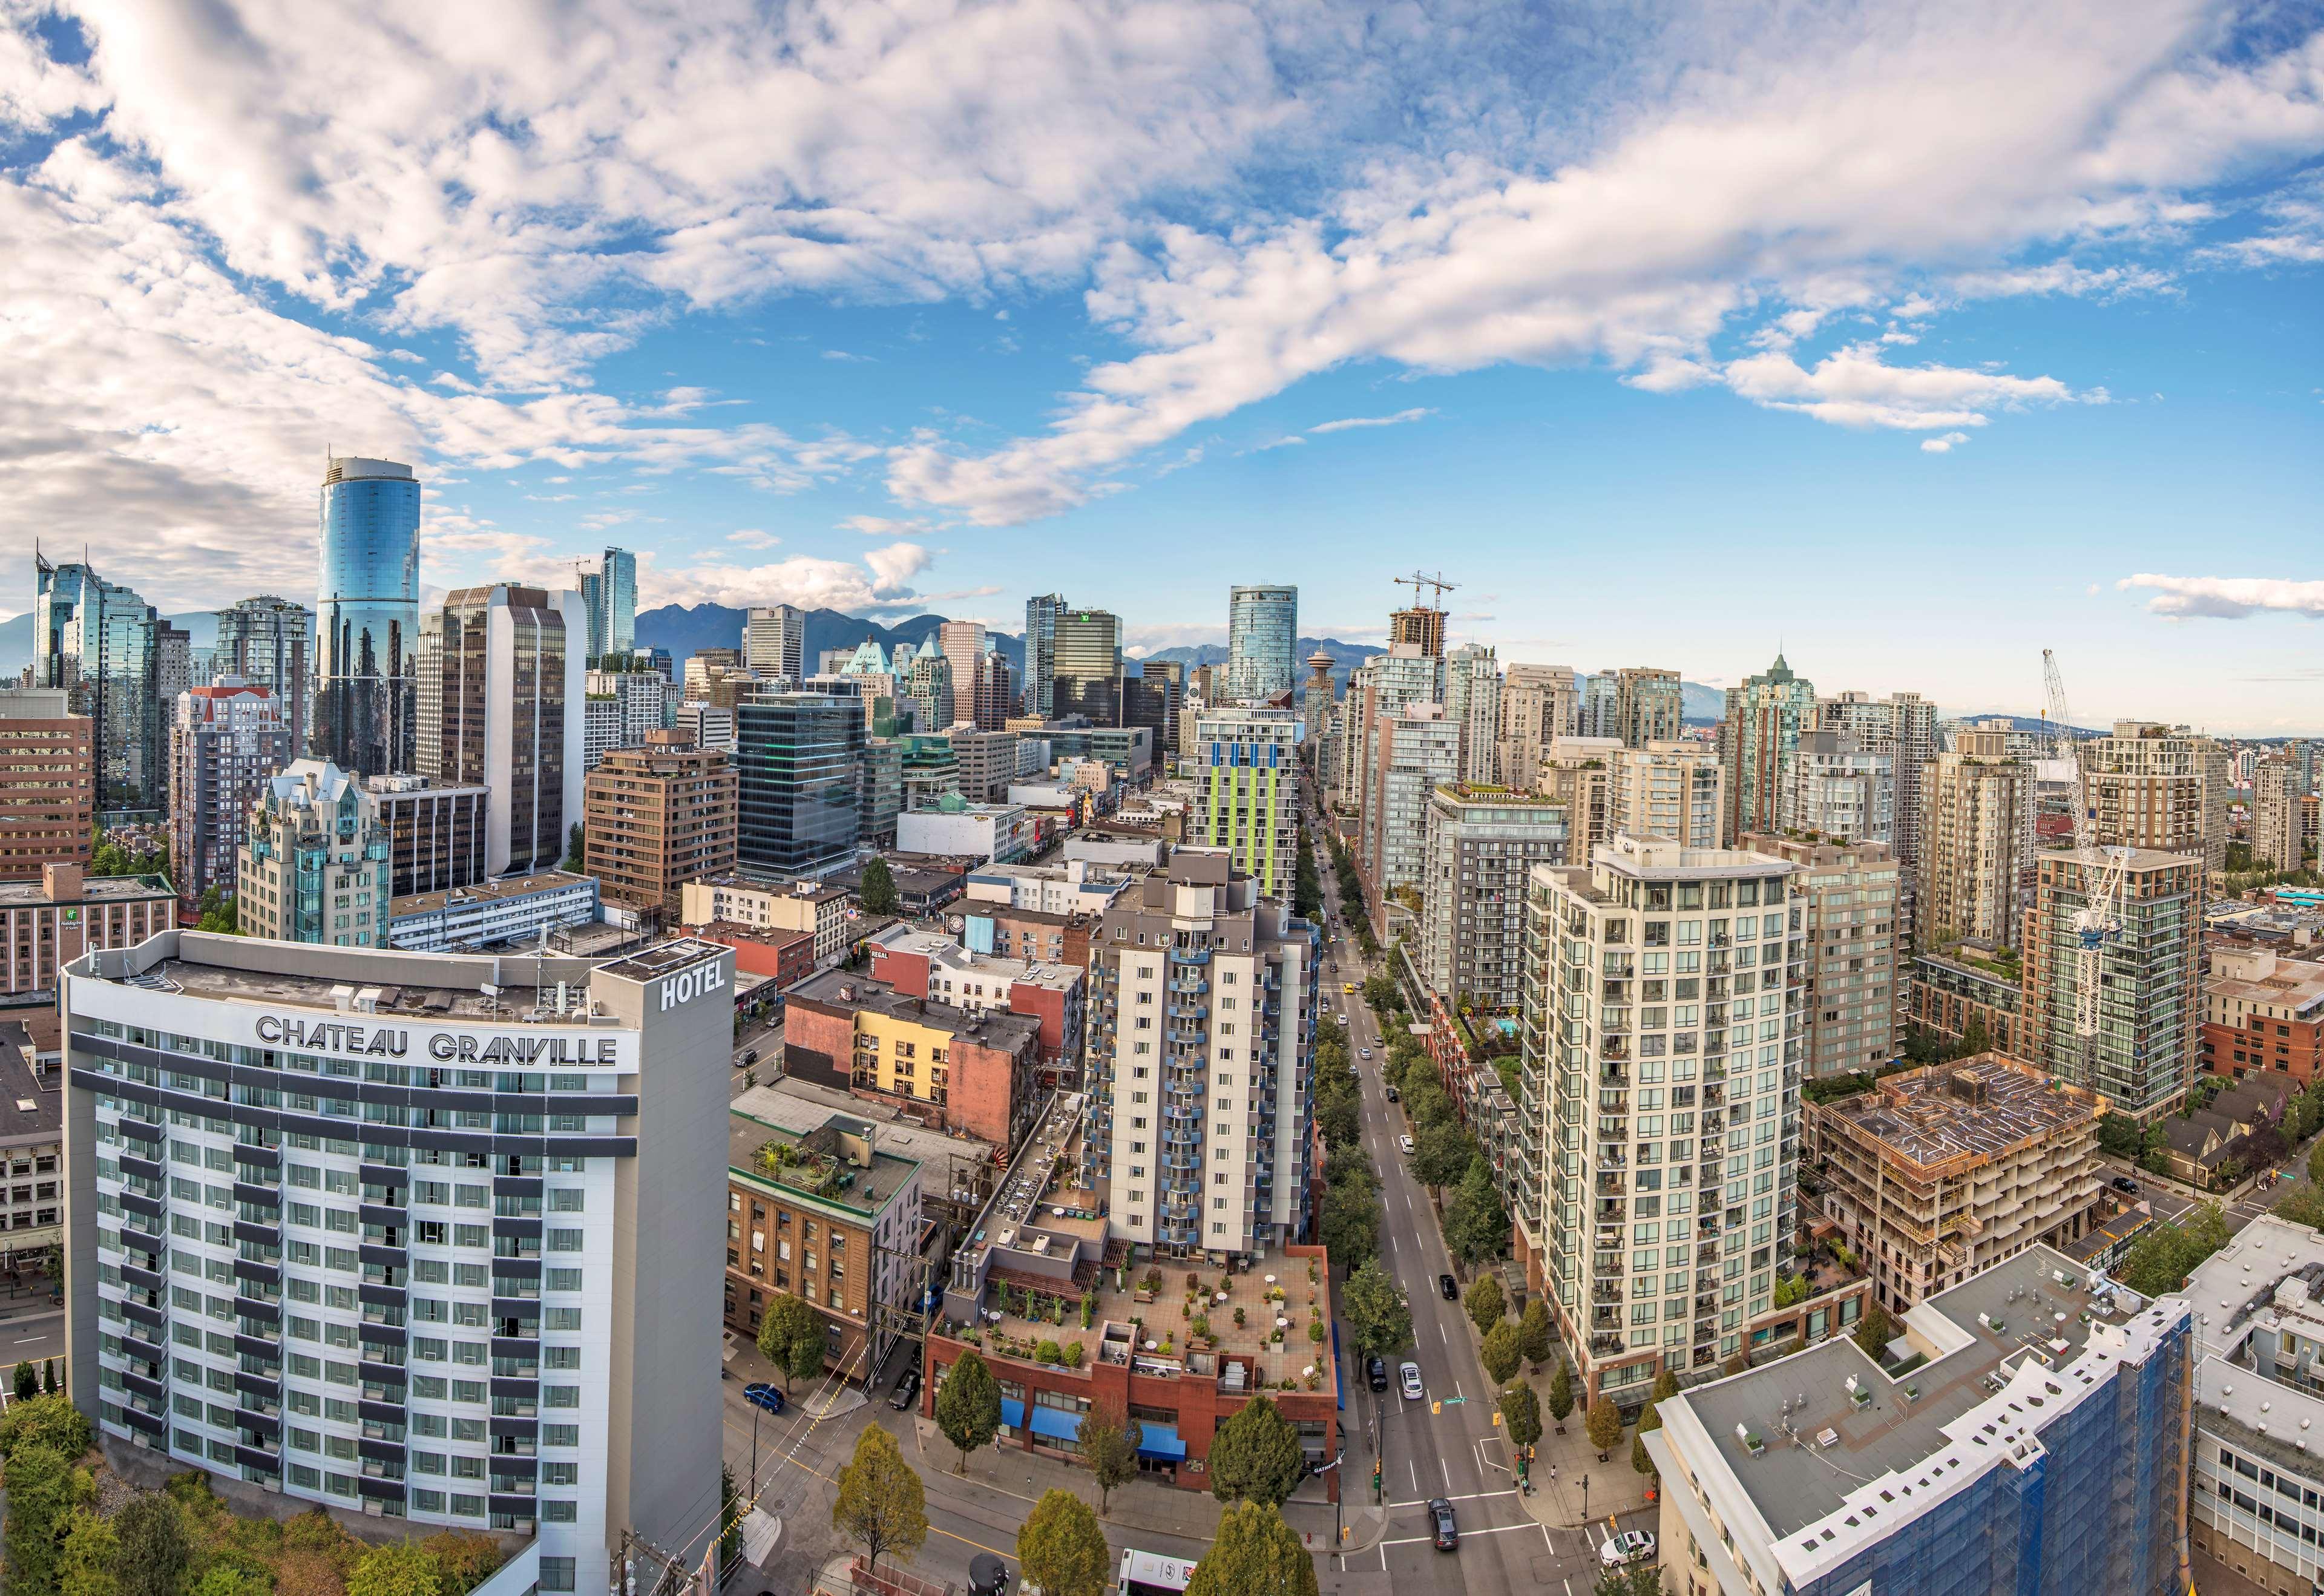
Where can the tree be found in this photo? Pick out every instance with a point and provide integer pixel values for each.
(1476, 1225)
(1349, 1226)
(577, 849)
(1255, 1455)
(1061, 1549)
(1790, 1290)
(1873, 1331)
(1377, 1312)
(1533, 1333)
(1487, 1302)
(1639, 1579)
(1254, 1553)
(1108, 1451)
(464, 1558)
(43, 1488)
(156, 1553)
(1441, 1153)
(878, 889)
(879, 1502)
(44, 1421)
(401, 1569)
(2315, 1163)
(1604, 1425)
(792, 1338)
(1665, 1385)
(1560, 1395)
(84, 1565)
(28, 1381)
(1501, 1353)
(1425, 1104)
(968, 1406)
(2162, 1260)
(1521, 1414)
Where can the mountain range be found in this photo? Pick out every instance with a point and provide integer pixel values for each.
(684, 632)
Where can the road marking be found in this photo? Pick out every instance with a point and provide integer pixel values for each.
(1446, 1464)
(1493, 1529)
(1474, 1496)
(1413, 1470)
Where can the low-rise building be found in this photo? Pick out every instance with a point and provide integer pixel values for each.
(2263, 1012)
(954, 827)
(796, 905)
(941, 1065)
(31, 1150)
(1116, 847)
(47, 924)
(783, 957)
(1938, 1173)
(929, 966)
(1077, 886)
(1027, 933)
(1964, 995)
(492, 914)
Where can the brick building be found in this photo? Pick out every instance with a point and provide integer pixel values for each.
(937, 1063)
(657, 817)
(48, 783)
(2263, 1012)
(784, 957)
(1949, 993)
(1027, 933)
(925, 965)
(47, 924)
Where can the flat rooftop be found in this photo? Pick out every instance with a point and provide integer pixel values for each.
(991, 1027)
(507, 890)
(2297, 983)
(819, 1164)
(1980, 1108)
(94, 889)
(31, 1110)
(800, 1106)
(946, 954)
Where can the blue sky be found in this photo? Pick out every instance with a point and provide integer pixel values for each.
(1914, 339)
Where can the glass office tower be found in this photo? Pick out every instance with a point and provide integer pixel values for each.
(1262, 637)
(616, 619)
(797, 809)
(1041, 614)
(100, 644)
(367, 613)
(1085, 678)
(268, 642)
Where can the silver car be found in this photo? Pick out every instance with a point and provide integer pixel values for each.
(1412, 1390)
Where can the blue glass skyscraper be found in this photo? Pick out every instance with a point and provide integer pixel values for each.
(367, 616)
(1262, 637)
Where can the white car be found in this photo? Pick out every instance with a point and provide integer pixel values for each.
(1412, 1390)
(1404, 1143)
(1632, 1545)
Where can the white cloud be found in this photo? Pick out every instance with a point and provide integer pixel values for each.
(1397, 419)
(1854, 387)
(2227, 598)
(882, 526)
(752, 538)
(895, 566)
(880, 580)
(1943, 445)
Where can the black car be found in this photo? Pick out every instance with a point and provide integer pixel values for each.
(908, 1391)
(1375, 1371)
(1392, 1097)
(1449, 1286)
(1440, 1516)
(2123, 1183)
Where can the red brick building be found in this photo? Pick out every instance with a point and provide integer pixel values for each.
(2263, 1013)
(942, 1065)
(785, 958)
(1032, 933)
(48, 783)
(933, 968)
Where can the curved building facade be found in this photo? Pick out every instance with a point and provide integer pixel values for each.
(1262, 633)
(367, 616)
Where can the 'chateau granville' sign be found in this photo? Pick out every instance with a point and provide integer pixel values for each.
(336, 1035)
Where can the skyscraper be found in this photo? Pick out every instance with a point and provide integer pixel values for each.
(1538, 705)
(48, 783)
(1648, 706)
(1262, 637)
(1247, 791)
(1765, 717)
(270, 643)
(2277, 836)
(1834, 788)
(1041, 614)
(614, 623)
(1673, 791)
(1419, 625)
(501, 702)
(797, 806)
(1977, 842)
(1085, 672)
(367, 616)
(99, 643)
(774, 642)
(225, 740)
(1472, 700)
(962, 642)
(2163, 787)
(2149, 1012)
(1903, 726)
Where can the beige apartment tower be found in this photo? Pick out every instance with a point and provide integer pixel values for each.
(1977, 842)
(2161, 788)
(657, 817)
(1538, 708)
(1578, 773)
(2279, 839)
(1847, 895)
(1674, 790)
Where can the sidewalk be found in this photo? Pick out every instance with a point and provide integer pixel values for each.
(1142, 1504)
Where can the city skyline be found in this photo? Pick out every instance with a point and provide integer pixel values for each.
(1916, 398)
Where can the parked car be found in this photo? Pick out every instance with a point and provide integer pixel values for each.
(1377, 1370)
(1449, 1286)
(750, 1056)
(759, 1393)
(1392, 1097)
(2123, 1183)
(1632, 1545)
(908, 1391)
(1440, 1517)
(1412, 1388)
(1404, 1143)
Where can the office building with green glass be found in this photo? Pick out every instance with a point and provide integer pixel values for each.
(800, 806)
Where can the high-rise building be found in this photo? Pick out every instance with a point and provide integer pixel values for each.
(1201, 1029)
(1578, 772)
(435, 831)
(502, 701)
(962, 644)
(798, 804)
(623, 707)
(2161, 788)
(48, 782)
(1598, 707)
(270, 643)
(1421, 626)
(1845, 895)
(609, 606)
(774, 642)
(1674, 790)
(1659, 1100)
(537, 1375)
(2278, 838)
(705, 725)
(1977, 843)
(2150, 1008)
(1156, 698)
(1415, 751)
(659, 817)
(705, 667)
(1085, 673)
(1765, 717)
(1538, 705)
(97, 641)
(1381, 687)
(1473, 699)
(314, 862)
(173, 673)
(1247, 791)
(1263, 640)
(1903, 726)
(996, 691)
(1649, 706)
(225, 740)
(928, 688)
(1316, 702)
(367, 617)
(1833, 787)
(1482, 844)
(1041, 614)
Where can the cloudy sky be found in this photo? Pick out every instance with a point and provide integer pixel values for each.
(1910, 338)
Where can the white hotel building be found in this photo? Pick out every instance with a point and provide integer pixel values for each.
(426, 1236)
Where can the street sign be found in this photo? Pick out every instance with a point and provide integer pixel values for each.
(1451, 1401)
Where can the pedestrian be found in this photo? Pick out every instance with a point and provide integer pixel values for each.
(1552, 1473)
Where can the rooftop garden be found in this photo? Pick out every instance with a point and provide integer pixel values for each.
(819, 1174)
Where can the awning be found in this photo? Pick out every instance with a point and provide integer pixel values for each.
(1012, 1413)
(1159, 1440)
(1057, 1422)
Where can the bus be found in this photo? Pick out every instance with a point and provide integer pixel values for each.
(1148, 1573)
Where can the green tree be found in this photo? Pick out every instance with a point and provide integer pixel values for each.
(1560, 1395)
(968, 1406)
(577, 849)
(1604, 1425)
(1349, 1226)
(156, 1552)
(1108, 1451)
(1061, 1549)
(1442, 1154)
(1533, 1333)
(89, 1549)
(1378, 1314)
(2161, 1259)
(43, 1488)
(48, 1377)
(1425, 1104)
(1790, 1290)
(1873, 1331)
(878, 889)
(230, 1579)
(1501, 1352)
(730, 1520)
(879, 1503)
(28, 1381)
(1639, 1579)
(402, 1569)
(1254, 1553)
(1665, 1385)
(2315, 1163)
(791, 1337)
(465, 1558)
(1521, 1414)
(44, 1421)
(1487, 1302)
(1255, 1455)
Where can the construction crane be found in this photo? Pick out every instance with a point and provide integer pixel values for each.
(1420, 579)
(2099, 919)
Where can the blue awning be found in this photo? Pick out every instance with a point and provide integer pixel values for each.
(1012, 1413)
(1054, 1422)
(1159, 1440)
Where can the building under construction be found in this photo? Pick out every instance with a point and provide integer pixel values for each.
(1938, 1173)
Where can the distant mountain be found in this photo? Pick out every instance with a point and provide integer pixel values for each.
(684, 632)
(1346, 657)
(2019, 723)
(200, 627)
(1700, 705)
